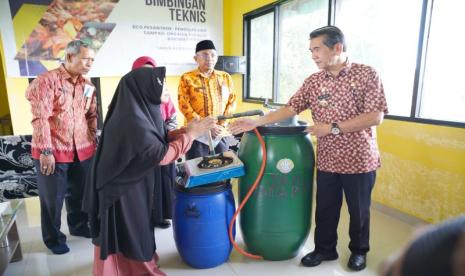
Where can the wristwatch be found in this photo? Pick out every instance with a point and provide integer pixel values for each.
(335, 130)
(46, 152)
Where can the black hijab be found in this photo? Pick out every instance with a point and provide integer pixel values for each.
(133, 139)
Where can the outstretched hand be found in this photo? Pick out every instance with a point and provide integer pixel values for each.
(242, 125)
(217, 130)
(198, 127)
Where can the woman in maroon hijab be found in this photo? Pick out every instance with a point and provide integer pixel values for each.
(120, 192)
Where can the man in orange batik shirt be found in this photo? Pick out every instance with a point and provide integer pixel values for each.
(206, 92)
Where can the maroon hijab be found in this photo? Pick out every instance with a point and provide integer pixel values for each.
(143, 60)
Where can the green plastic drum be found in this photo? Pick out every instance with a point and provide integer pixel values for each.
(275, 222)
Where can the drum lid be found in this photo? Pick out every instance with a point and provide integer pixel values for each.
(279, 129)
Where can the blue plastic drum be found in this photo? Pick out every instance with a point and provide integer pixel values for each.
(200, 224)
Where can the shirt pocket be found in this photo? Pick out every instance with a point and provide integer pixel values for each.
(320, 112)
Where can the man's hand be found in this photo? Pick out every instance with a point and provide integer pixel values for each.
(198, 127)
(47, 164)
(217, 130)
(319, 130)
(242, 125)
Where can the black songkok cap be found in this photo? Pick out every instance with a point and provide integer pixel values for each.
(205, 45)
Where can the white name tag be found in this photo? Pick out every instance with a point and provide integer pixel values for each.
(88, 91)
(224, 91)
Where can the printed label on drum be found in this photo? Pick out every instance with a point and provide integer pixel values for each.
(285, 165)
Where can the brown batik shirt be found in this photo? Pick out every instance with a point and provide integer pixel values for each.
(357, 89)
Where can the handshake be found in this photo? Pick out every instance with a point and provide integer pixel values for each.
(199, 127)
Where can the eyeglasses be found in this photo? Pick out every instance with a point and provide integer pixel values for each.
(206, 56)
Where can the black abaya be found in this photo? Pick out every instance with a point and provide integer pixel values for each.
(120, 193)
(164, 195)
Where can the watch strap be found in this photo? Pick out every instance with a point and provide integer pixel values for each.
(46, 152)
(335, 129)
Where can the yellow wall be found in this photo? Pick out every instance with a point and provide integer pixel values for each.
(24, 22)
(19, 106)
(423, 171)
(5, 123)
(4, 108)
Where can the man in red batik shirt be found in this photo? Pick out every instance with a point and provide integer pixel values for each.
(64, 110)
(347, 103)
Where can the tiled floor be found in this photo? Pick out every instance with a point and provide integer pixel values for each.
(387, 235)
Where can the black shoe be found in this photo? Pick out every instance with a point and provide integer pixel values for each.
(314, 259)
(164, 224)
(59, 249)
(357, 262)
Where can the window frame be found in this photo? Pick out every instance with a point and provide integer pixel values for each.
(422, 49)
(246, 49)
(247, 19)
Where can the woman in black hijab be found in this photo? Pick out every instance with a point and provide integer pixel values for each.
(165, 192)
(120, 197)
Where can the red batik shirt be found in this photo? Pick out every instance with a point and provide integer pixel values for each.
(63, 118)
(357, 89)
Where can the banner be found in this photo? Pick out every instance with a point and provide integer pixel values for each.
(36, 32)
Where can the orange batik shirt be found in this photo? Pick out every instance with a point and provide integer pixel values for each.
(200, 96)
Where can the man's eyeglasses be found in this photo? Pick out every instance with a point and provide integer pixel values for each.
(206, 56)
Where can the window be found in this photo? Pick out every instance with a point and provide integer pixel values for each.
(261, 56)
(296, 21)
(287, 38)
(443, 93)
(375, 37)
(414, 45)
